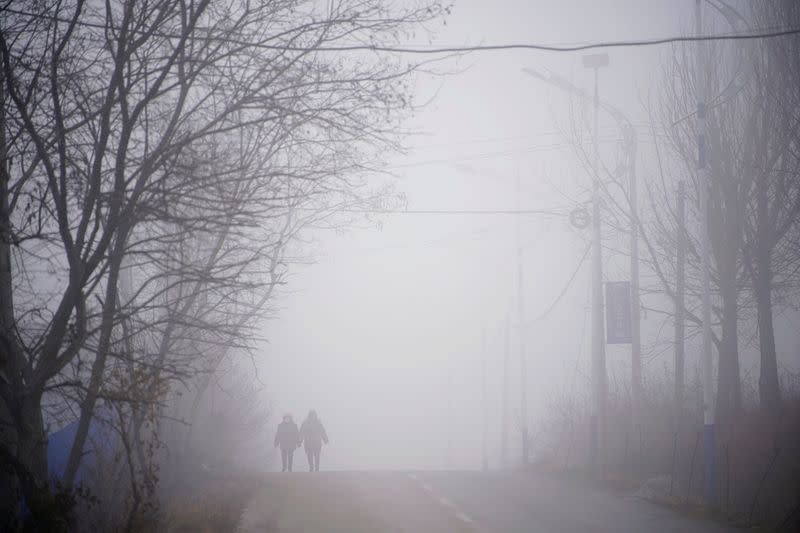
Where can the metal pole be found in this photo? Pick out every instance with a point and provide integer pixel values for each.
(636, 338)
(703, 183)
(523, 371)
(448, 424)
(680, 290)
(506, 364)
(485, 417)
(598, 338)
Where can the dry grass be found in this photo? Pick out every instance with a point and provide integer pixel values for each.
(215, 508)
(757, 455)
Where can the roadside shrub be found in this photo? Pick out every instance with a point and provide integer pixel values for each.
(757, 462)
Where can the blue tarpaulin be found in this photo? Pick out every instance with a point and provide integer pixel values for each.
(59, 445)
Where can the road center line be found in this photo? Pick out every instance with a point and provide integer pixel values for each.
(444, 502)
(447, 503)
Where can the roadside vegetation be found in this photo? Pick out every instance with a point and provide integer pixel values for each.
(752, 142)
(160, 163)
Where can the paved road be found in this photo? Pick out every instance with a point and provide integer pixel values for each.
(488, 502)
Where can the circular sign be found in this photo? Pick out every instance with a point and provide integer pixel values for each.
(579, 217)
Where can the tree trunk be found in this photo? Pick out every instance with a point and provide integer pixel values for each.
(23, 456)
(23, 442)
(729, 395)
(7, 340)
(32, 440)
(98, 367)
(768, 385)
(8, 482)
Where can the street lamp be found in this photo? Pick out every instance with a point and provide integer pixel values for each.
(599, 377)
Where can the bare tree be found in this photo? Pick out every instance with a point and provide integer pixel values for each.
(754, 190)
(753, 211)
(770, 148)
(112, 116)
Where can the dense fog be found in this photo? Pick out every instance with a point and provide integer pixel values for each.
(386, 332)
(494, 259)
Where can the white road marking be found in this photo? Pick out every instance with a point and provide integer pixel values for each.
(447, 503)
(444, 502)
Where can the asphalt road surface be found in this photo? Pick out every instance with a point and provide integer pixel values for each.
(489, 502)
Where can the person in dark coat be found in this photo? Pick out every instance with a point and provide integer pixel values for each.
(288, 438)
(313, 434)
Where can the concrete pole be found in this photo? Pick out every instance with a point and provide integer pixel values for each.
(636, 337)
(523, 369)
(504, 416)
(599, 379)
(703, 183)
(448, 422)
(485, 406)
(680, 290)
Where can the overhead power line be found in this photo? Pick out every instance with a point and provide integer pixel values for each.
(551, 133)
(428, 51)
(502, 153)
(557, 48)
(546, 212)
(564, 290)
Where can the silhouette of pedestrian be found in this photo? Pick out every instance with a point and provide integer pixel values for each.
(313, 434)
(288, 438)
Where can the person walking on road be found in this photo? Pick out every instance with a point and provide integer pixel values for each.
(288, 438)
(313, 434)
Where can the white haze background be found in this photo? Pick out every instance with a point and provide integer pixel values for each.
(383, 334)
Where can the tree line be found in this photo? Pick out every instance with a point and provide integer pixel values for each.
(159, 161)
(752, 147)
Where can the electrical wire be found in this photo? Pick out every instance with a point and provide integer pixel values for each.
(430, 51)
(505, 153)
(495, 140)
(547, 212)
(563, 291)
(556, 48)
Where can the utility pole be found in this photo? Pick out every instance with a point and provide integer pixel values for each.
(636, 337)
(680, 290)
(523, 370)
(485, 417)
(504, 416)
(448, 423)
(599, 377)
(703, 183)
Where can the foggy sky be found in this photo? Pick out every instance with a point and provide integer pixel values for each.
(383, 335)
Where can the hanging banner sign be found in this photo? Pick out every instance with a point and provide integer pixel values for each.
(618, 312)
